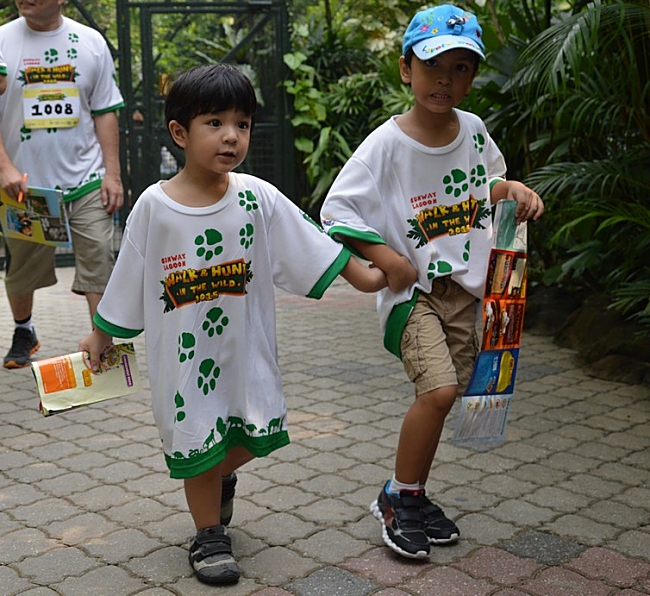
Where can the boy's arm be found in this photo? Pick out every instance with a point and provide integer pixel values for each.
(529, 203)
(399, 272)
(95, 344)
(364, 279)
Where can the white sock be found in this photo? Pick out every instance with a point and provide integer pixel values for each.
(395, 486)
(26, 325)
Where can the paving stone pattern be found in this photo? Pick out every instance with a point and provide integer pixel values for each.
(561, 508)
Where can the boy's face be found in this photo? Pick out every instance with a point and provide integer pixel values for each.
(217, 142)
(440, 83)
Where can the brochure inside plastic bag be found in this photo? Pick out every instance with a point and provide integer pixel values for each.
(483, 413)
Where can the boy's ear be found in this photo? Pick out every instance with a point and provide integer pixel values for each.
(178, 133)
(404, 71)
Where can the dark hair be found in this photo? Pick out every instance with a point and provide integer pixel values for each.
(208, 89)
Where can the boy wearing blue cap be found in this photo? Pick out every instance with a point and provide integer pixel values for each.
(415, 199)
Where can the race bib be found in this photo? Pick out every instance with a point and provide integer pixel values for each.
(51, 105)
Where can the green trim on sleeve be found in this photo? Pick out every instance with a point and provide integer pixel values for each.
(495, 181)
(396, 323)
(330, 275)
(3, 70)
(114, 330)
(114, 108)
(339, 233)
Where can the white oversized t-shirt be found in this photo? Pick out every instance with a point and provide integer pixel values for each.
(431, 204)
(56, 81)
(200, 282)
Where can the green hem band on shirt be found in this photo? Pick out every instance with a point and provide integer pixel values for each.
(114, 330)
(396, 323)
(3, 71)
(82, 191)
(330, 275)
(182, 467)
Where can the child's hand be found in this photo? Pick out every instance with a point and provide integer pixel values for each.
(362, 278)
(400, 274)
(95, 344)
(529, 203)
(376, 279)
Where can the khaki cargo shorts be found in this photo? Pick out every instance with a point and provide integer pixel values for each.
(440, 343)
(31, 266)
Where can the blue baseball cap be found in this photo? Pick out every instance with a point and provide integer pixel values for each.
(441, 28)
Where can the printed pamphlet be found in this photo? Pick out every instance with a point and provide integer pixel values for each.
(40, 217)
(66, 382)
(486, 402)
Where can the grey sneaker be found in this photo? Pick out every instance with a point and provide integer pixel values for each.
(228, 484)
(211, 557)
(23, 345)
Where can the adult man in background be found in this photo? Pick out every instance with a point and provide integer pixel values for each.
(67, 140)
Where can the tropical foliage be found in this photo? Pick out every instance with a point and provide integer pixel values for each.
(586, 79)
(565, 92)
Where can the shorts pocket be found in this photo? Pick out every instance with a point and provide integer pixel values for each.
(412, 357)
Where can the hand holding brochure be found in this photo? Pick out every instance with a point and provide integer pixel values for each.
(66, 382)
(40, 217)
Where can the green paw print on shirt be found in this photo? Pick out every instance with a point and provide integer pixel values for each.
(51, 56)
(438, 269)
(246, 236)
(479, 142)
(72, 54)
(180, 403)
(477, 176)
(466, 252)
(25, 134)
(207, 380)
(456, 183)
(73, 38)
(186, 344)
(248, 200)
(214, 322)
(207, 245)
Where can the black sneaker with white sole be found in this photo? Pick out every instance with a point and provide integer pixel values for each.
(211, 557)
(438, 527)
(402, 523)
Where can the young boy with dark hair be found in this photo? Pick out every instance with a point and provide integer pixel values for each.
(200, 259)
(415, 199)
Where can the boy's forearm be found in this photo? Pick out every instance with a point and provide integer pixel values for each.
(382, 255)
(498, 190)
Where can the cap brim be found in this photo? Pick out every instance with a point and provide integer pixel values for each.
(433, 46)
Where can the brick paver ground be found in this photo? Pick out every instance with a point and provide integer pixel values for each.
(561, 508)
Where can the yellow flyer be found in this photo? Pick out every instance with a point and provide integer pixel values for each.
(39, 218)
(66, 382)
